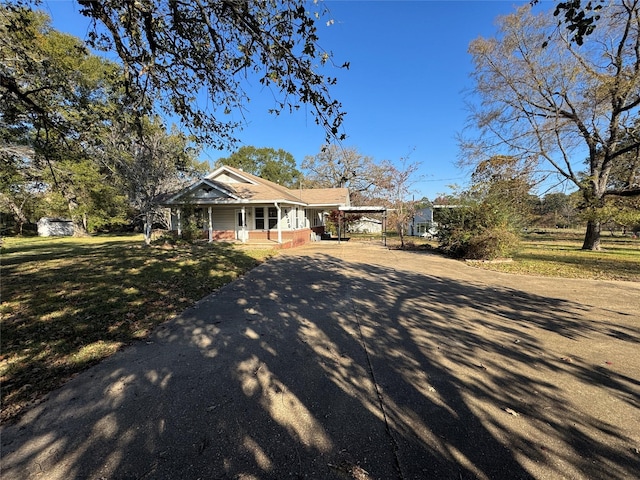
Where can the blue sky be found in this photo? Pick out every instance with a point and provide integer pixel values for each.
(403, 93)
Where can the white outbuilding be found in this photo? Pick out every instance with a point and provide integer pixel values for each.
(55, 227)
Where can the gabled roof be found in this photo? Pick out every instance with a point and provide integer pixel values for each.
(229, 185)
(199, 192)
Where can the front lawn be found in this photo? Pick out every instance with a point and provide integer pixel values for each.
(557, 253)
(67, 303)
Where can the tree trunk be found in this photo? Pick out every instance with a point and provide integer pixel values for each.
(147, 231)
(16, 210)
(400, 229)
(79, 228)
(592, 236)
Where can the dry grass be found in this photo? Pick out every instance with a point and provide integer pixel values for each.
(558, 253)
(68, 303)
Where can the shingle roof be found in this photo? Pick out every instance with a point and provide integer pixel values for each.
(325, 196)
(255, 189)
(261, 190)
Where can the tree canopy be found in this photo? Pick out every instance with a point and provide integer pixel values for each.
(55, 98)
(195, 59)
(69, 144)
(274, 165)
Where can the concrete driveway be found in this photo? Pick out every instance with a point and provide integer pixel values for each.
(353, 361)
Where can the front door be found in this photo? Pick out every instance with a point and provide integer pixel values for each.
(241, 226)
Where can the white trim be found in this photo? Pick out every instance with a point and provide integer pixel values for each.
(278, 222)
(197, 185)
(234, 172)
(210, 226)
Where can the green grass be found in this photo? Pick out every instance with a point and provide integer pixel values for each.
(558, 253)
(67, 303)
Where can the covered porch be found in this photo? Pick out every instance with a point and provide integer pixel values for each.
(252, 224)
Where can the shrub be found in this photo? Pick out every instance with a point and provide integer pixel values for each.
(491, 244)
(479, 231)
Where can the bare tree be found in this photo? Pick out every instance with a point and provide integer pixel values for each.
(337, 167)
(396, 188)
(544, 96)
(148, 166)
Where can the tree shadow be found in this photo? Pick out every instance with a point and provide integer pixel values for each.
(316, 367)
(66, 305)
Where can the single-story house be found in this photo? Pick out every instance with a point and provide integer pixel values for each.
(231, 204)
(55, 227)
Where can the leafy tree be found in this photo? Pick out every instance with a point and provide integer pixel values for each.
(84, 146)
(477, 229)
(194, 59)
(424, 202)
(505, 180)
(56, 96)
(275, 165)
(549, 102)
(484, 221)
(100, 201)
(623, 213)
(18, 184)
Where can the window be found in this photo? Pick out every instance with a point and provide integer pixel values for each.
(259, 218)
(273, 217)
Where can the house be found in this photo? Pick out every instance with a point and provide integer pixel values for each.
(55, 227)
(232, 205)
(422, 223)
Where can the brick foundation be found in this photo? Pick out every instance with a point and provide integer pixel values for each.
(290, 239)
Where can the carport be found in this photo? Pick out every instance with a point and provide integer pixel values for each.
(365, 209)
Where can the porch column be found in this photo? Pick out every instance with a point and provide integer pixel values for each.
(244, 225)
(384, 227)
(278, 224)
(210, 226)
(179, 214)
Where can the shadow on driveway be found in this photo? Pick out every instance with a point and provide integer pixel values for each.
(324, 367)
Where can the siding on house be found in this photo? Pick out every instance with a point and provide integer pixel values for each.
(271, 210)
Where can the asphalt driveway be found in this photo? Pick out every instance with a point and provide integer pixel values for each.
(353, 361)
